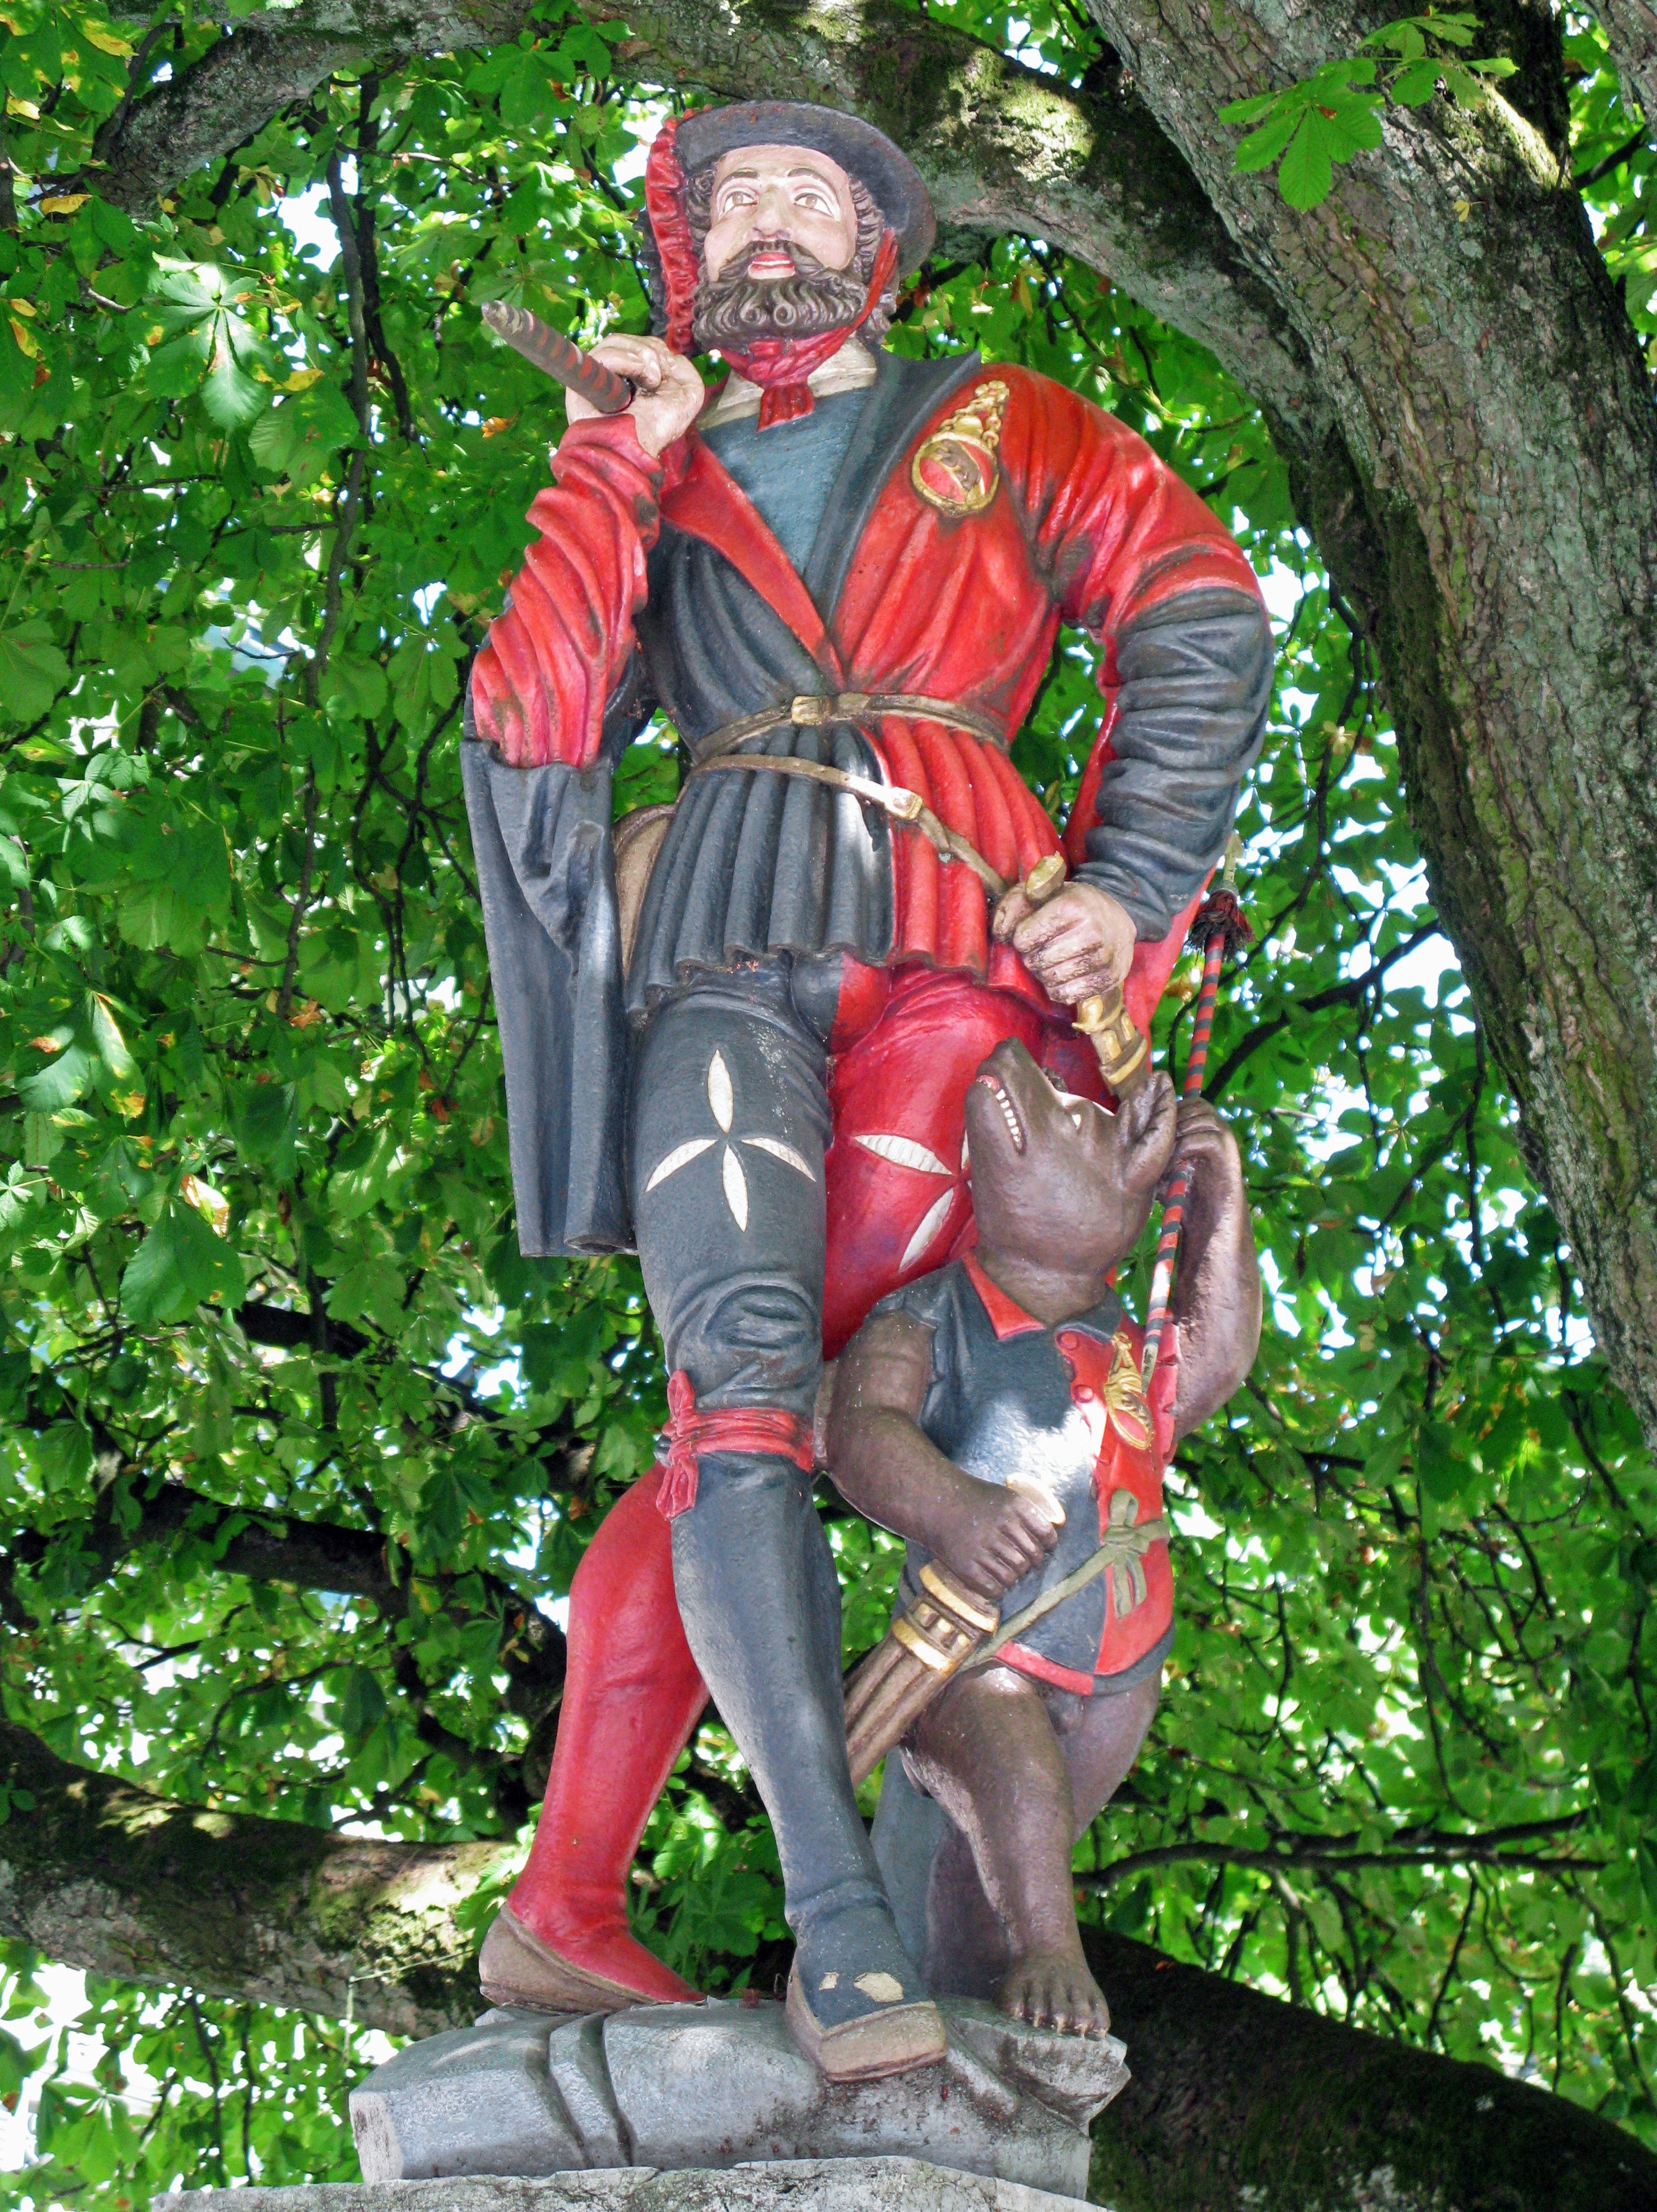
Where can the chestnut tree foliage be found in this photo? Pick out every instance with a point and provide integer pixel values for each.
(300, 1453)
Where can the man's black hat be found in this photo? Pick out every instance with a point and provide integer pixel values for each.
(858, 149)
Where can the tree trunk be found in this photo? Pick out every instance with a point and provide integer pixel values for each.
(1499, 440)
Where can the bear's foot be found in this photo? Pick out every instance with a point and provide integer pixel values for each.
(1053, 1989)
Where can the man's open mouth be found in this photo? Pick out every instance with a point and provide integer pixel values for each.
(1009, 1111)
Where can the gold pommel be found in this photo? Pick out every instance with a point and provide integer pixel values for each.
(954, 1599)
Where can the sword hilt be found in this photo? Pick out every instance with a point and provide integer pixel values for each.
(1102, 1017)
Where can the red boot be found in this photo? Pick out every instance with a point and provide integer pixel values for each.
(632, 1695)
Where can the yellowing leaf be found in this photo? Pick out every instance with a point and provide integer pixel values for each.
(107, 42)
(213, 1207)
(26, 107)
(26, 343)
(66, 205)
(23, 307)
(301, 379)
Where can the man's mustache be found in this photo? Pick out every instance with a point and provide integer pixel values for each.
(735, 308)
(806, 263)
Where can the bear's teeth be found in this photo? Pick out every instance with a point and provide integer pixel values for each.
(1015, 1127)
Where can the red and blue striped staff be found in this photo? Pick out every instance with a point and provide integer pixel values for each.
(1219, 928)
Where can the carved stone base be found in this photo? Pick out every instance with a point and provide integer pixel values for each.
(840, 2185)
(723, 2084)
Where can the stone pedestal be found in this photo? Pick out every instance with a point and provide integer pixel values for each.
(722, 2085)
(840, 2185)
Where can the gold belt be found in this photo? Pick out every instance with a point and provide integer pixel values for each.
(809, 711)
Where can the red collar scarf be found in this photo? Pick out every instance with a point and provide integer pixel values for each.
(780, 367)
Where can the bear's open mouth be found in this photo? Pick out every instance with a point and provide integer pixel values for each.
(1008, 1112)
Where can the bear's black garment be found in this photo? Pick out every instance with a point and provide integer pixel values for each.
(1000, 1404)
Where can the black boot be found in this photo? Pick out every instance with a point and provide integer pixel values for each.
(760, 1605)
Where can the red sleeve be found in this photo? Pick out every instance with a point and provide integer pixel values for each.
(1131, 553)
(1113, 529)
(556, 651)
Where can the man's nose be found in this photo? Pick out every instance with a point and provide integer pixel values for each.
(774, 213)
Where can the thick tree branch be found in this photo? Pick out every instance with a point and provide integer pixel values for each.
(1235, 2098)
(251, 73)
(1632, 27)
(104, 1876)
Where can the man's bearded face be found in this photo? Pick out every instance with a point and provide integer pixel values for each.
(736, 308)
(778, 256)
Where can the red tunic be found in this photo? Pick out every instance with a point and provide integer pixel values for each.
(1085, 525)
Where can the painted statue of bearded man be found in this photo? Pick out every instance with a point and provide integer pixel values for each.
(840, 575)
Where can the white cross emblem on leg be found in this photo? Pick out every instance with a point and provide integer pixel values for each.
(721, 1099)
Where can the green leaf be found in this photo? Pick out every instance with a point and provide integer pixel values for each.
(1263, 147)
(67, 1076)
(1417, 84)
(360, 1702)
(232, 398)
(180, 1265)
(109, 1045)
(33, 671)
(1306, 174)
(267, 1126)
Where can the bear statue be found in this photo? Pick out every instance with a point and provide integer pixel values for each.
(992, 1414)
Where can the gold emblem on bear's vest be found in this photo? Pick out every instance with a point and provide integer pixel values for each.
(955, 470)
(1124, 1395)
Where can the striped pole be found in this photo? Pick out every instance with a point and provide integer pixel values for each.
(551, 350)
(1222, 917)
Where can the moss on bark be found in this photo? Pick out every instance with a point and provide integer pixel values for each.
(101, 1875)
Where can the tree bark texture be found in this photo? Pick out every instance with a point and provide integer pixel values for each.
(104, 1876)
(1632, 27)
(1237, 2100)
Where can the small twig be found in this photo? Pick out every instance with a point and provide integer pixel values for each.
(301, 902)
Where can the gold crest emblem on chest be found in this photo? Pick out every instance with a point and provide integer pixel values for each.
(955, 469)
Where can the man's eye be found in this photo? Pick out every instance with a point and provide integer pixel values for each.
(816, 201)
(737, 198)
